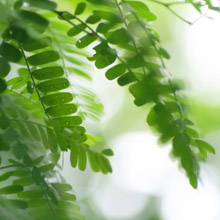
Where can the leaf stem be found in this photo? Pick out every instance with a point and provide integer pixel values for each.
(33, 81)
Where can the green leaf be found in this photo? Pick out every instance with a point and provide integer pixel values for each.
(67, 196)
(108, 152)
(46, 168)
(37, 44)
(65, 109)
(43, 58)
(126, 79)
(206, 146)
(57, 98)
(33, 18)
(48, 72)
(6, 175)
(77, 29)
(18, 4)
(34, 132)
(43, 137)
(38, 160)
(52, 140)
(3, 85)
(93, 19)
(109, 16)
(53, 85)
(104, 27)
(31, 194)
(61, 187)
(80, 8)
(142, 10)
(192, 133)
(79, 72)
(193, 180)
(11, 189)
(35, 203)
(30, 87)
(93, 161)
(18, 204)
(22, 129)
(43, 4)
(38, 179)
(119, 36)
(115, 71)
(86, 40)
(10, 52)
(68, 122)
(82, 160)
(4, 67)
(74, 155)
(26, 181)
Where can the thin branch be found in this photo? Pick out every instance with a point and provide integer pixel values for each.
(17, 93)
(95, 33)
(33, 81)
(168, 6)
(161, 60)
(126, 25)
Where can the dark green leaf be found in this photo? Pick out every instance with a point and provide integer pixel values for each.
(38, 179)
(126, 79)
(76, 30)
(80, 8)
(43, 58)
(30, 87)
(18, 4)
(9, 52)
(68, 122)
(53, 85)
(43, 4)
(18, 204)
(11, 189)
(93, 19)
(33, 18)
(57, 98)
(4, 67)
(108, 152)
(31, 194)
(115, 71)
(48, 72)
(37, 44)
(118, 36)
(3, 85)
(86, 40)
(65, 109)
(6, 175)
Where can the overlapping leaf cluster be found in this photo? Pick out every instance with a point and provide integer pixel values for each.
(41, 112)
(39, 118)
(124, 41)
